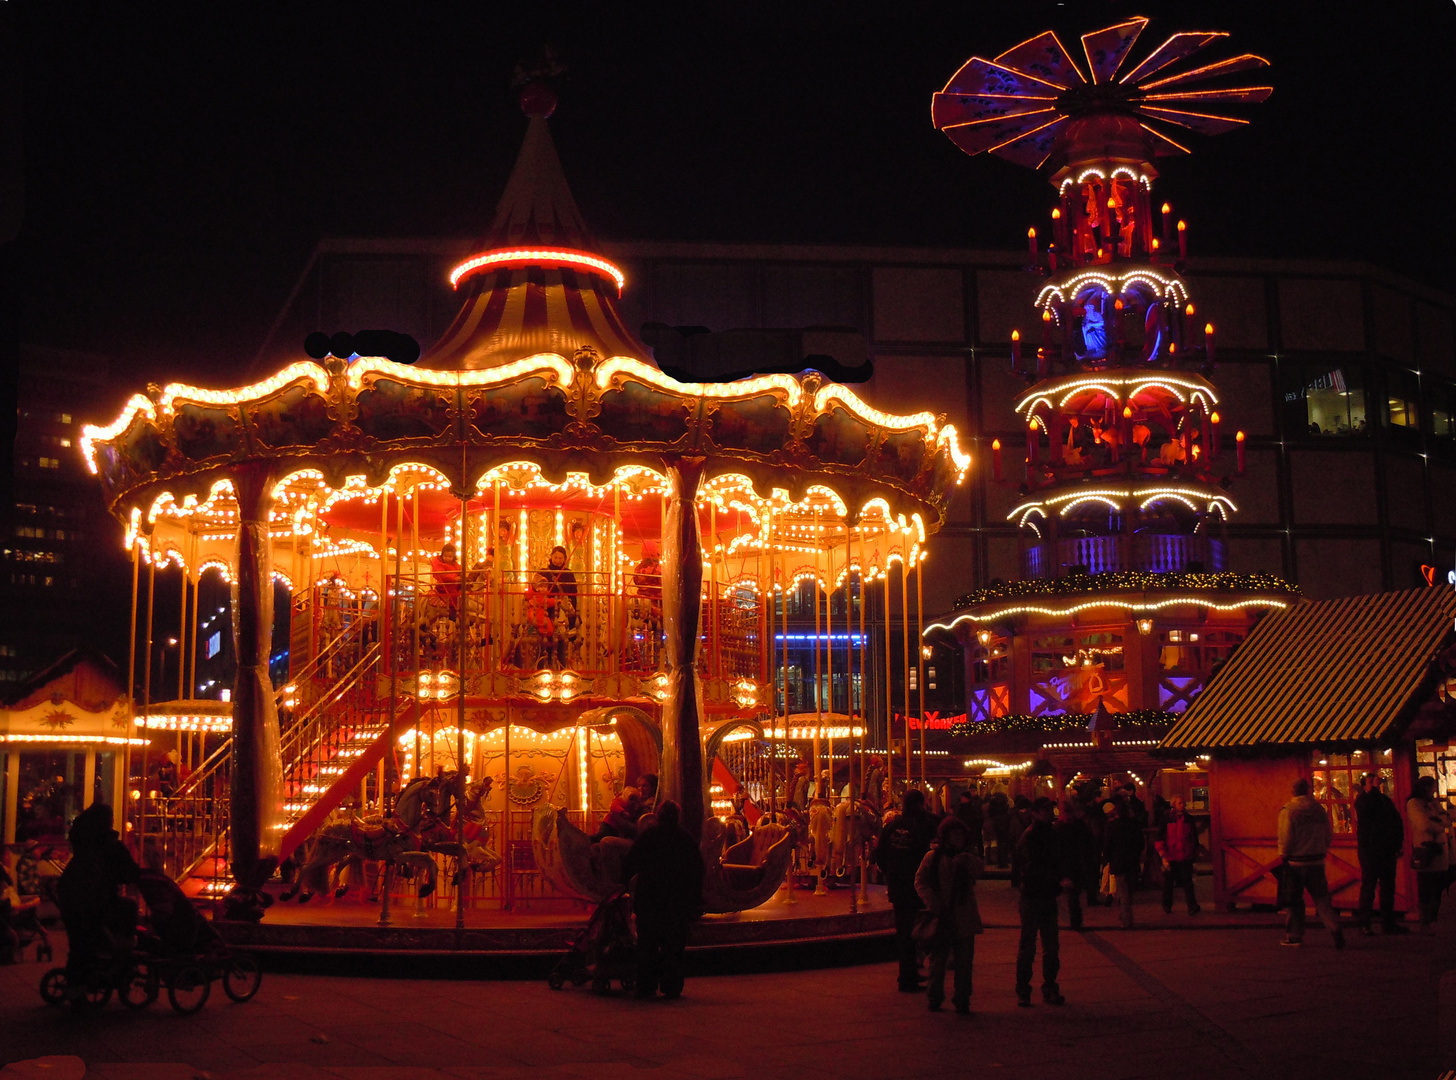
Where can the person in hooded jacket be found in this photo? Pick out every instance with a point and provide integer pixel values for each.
(1305, 833)
(1042, 880)
(946, 885)
(901, 847)
(87, 891)
(1379, 838)
(1123, 843)
(666, 899)
(1079, 855)
(1177, 846)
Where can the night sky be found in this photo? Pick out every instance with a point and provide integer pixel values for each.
(181, 162)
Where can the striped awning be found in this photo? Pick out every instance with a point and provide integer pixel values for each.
(1335, 671)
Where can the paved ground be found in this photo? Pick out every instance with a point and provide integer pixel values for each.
(1185, 1002)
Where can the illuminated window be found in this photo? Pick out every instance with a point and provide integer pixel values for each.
(1335, 782)
(1443, 410)
(1402, 399)
(214, 644)
(64, 418)
(1323, 399)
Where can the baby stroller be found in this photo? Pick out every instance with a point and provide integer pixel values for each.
(174, 947)
(20, 926)
(604, 949)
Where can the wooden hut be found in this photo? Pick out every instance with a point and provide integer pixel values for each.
(1327, 691)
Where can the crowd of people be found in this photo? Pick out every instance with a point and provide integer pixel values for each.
(1098, 847)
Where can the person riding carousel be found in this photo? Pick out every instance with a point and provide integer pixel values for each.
(445, 574)
(552, 601)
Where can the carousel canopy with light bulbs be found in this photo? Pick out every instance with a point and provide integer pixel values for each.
(537, 381)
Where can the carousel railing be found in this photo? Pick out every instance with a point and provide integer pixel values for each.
(523, 626)
(185, 833)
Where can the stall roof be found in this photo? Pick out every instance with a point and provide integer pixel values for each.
(1327, 672)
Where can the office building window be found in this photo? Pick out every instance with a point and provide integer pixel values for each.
(1402, 399)
(1443, 410)
(1323, 398)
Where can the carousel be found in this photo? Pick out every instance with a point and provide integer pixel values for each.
(520, 574)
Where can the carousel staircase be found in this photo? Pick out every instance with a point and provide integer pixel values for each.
(329, 746)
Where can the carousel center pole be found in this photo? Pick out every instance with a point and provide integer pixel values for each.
(131, 711)
(905, 650)
(920, 656)
(682, 593)
(147, 700)
(460, 635)
(257, 779)
(889, 692)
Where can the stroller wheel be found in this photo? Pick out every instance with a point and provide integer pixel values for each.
(554, 980)
(241, 978)
(53, 986)
(188, 989)
(140, 986)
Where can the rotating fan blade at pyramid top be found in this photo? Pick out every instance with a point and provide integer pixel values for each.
(1113, 296)
(1037, 106)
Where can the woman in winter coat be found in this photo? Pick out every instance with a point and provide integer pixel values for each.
(1430, 825)
(946, 884)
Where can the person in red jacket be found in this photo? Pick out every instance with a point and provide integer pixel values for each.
(1177, 845)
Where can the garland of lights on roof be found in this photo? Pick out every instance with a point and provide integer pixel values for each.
(1127, 581)
(1023, 722)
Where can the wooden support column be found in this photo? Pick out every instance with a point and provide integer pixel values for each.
(257, 771)
(682, 591)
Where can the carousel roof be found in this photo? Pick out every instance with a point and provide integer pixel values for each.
(537, 384)
(538, 285)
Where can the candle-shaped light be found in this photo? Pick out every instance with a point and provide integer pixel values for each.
(996, 459)
(1214, 444)
(1033, 442)
(1031, 245)
(1208, 342)
(1015, 350)
(1167, 220)
(1052, 257)
(1046, 344)
(1058, 233)
(1182, 240)
(1239, 439)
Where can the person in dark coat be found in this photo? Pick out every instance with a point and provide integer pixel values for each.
(1379, 838)
(1123, 848)
(666, 899)
(1021, 819)
(1079, 854)
(901, 848)
(968, 812)
(1042, 879)
(87, 891)
(998, 809)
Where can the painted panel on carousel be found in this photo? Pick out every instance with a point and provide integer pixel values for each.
(393, 410)
(201, 432)
(840, 438)
(527, 408)
(759, 424)
(137, 453)
(296, 417)
(638, 413)
(902, 454)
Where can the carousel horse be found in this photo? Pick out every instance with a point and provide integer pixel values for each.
(855, 825)
(344, 845)
(438, 832)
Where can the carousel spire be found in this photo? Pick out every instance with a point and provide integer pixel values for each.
(537, 208)
(538, 285)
